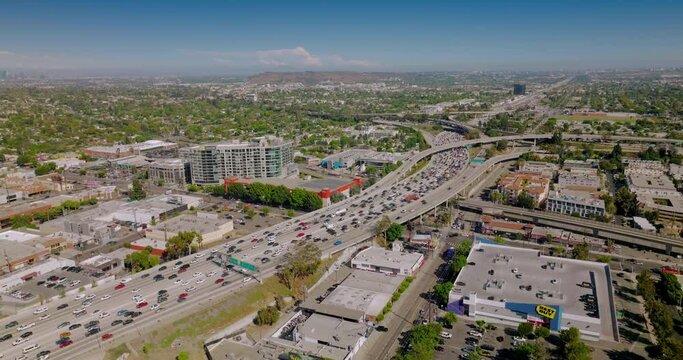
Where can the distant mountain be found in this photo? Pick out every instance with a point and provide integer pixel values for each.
(313, 78)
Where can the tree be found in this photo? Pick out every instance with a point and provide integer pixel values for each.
(457, 264)
(337, 197)
(46, 168)
(580, 252)
(525, 200)
(265, 211)
(449, 318)
(670, 289)
(161, 182)
(354, 190)
(645, 285)
(26, 159)
(542, 332)
(180, 244)
(22, 221)
(290, 213)
(193, 188)
(279, 196)
(605, 259)
(530, 351)
(304, 262)
(525, 329)
(137, 192)
(267, 316)
(577, 351)
(249, 213)
(626, 202)
(142, 260)
(394, 232)
(183, 355)
(382, 225)
(481, 324)
(441, 292)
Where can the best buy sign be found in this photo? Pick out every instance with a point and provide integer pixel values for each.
(546, 311)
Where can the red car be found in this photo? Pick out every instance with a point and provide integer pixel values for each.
(65, 344)
(306, 228)
(254, 240)
(107, 336)
(141, 305)
(302, 223)
(218, 281)
(300, 234)
(182, 270)
(183, 296)
(119, 286)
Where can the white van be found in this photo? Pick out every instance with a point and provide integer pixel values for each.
(30, 348)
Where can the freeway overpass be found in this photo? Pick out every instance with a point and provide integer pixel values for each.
(583, 226)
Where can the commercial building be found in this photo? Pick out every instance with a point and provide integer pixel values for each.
(519, 89)
(20, 253)
(10, 195)
(208, 225)
(361, 157)
(657, 192)
(580, 164)
(509, 285)
(264, 157)
(580, 179)
(644, 167)
(421, 238)
(643, 223)
(118, 151)
(387, 261)
(513, 184)
(158, 246)
(579, 203)
(491, 226)
(8, 212)
(540, 167)
(170, 171)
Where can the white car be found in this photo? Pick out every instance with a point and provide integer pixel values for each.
(194, 261)
(75, 282)
(446, 335)
(19, 340)
(79, 297)
(40, 310)
(104, 315)
(518, 339)
(30, 348)
(476, 334)
(126, 280)
(26, 326)
(90, 297)
(199, 255)
(197, 274)
(177, 267)
(190, 289)
(184, 283)
(213, 251)
(105, 297)
(246, 279)
(210, 274)
(135, 291)
(200, 280)
(44, 317)
(178, 281)
(154, 307)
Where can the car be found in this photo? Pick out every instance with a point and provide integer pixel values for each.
(63, 325)
(119, 286)
(92, 331)
(139, 301)
(128, 321)
(11, 324)
(105, 297)
(173, 276)
(158, 277)
(197, 274)
(135, 291)
(61, 340)
(122, 312)
(183, 296)
(116, 322)
(43, 355)
(5, 337)
(65, 334)
(26, 326)
(182, 270)
(26, 334)
(190, 289)
(65, 344)
(226, 283)
(337, 242)
(107, 336)
(154, 307)
(162, 268)
(475, 334)
(18, 341)
(144, 276)
(126, 280)
(199, 281)
(40, 310)
(161, 299)
(162, 291)
(300, 235)
(92, 323)
(141, 305)
(104, 314)
(382, 328)
(446, 335)
(44, 317)
(30, 348)
(210, 274)
(74, 326)
(184, 283)
(62, 306)
(218, 281)
(518, 339)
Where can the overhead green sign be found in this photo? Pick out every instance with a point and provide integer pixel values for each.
(247, 265)
(232, 260)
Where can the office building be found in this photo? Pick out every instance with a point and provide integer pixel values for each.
(579, 203)
(519, 89)
(170, 171)
(265, 157)
(387, 261)
(513, 184)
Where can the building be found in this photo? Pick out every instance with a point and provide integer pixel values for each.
(579, 203)
(492, 226)
(170, 171)
(8, 212)
(513, 184)
(103, 262)
(10, 195)
(643, 167)
(643, 223)
(67, 162)
(546, 169)
(19, 252)
(657, 192)
(510, 285)
(265, 157)
(26, 273)
(343, 160)
(158, 246)
(208, 225)
(421, 238)
(331, 337)
(580, 164)
(124, 150)
(519, 89)
(579, 179)
(387, 261)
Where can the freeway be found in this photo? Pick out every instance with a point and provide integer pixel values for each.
(581, 225)
(362, 212)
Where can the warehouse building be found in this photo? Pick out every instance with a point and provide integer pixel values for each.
(387, 261)
(208, 225)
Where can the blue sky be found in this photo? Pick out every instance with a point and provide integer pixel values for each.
(237, 37)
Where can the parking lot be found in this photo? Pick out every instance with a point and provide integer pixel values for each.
(52, 284)
(492, 341)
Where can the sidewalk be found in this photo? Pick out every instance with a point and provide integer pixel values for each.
(382, 345)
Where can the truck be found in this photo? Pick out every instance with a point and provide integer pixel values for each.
(340, 212)
(328, 225)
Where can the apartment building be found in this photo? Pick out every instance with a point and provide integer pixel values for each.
(575, 202)
(264, 157)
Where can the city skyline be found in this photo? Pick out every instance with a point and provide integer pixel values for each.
(144, 37)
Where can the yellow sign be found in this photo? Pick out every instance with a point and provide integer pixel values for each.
(546, 311)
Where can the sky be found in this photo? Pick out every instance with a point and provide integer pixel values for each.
(167, 37)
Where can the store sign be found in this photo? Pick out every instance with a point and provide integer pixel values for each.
(546, 311)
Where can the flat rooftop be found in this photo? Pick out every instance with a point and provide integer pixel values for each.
(364, 291)
(333, 331)
(503, 273)
(187, 222)
(319, 184)
(381, 257)
(17, 236)
(15, 251)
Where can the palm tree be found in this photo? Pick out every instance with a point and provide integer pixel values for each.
(481, 324)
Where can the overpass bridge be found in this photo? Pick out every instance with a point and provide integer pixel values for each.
(582, 226)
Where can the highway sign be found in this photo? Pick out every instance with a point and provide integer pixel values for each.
(247, 265)
(234, 261)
